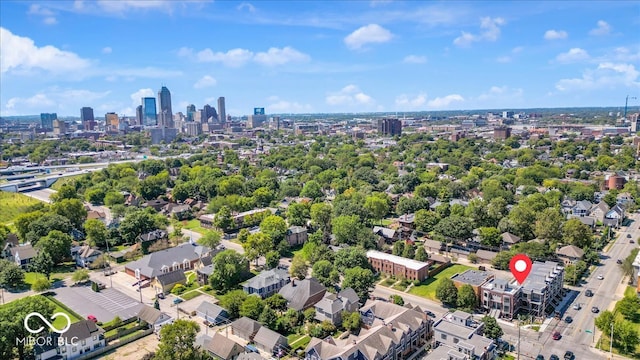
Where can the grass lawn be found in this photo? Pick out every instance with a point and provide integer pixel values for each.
(64, 180)
(14, 204)
(298, 341)
(388, 282)
(190, 295)
(428, 287)
(191, 276)
(193, 225)
(30, 278)
(130, 325)
(61, 322)
(604, 339)
(400, 286)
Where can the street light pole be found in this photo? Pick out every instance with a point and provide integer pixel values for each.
(518, 337)
(611, 343)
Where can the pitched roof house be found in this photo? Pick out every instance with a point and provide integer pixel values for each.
(332, 305)
(221, 347)
(570, 254)
(267, 283)
(302, 294)
(86, 335)
(23, 255)
(85, 255)
(270, 341)
(184, 257)
(154, 317)
(212, 313)
(245, 328)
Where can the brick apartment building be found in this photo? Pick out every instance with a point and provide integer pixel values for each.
(398, 266)
(540, 293)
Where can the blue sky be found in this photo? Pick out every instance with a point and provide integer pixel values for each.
(331, 56)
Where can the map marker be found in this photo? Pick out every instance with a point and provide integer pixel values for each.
(520, 266)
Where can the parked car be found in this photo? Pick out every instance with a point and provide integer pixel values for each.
(588, 293)
(568, 355)
(577, 306)
(568, 319)
(430, 314)
(177, 301)
(160, 296)
(92, 318)
(557, 335)
(631, 242)
(595, 310)
(618, 261)
(600, 277)
(554, 357)
(628, 236)
(540, 357)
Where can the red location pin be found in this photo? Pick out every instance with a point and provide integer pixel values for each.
(520, 266)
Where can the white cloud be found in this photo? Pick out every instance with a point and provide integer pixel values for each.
(555, 34)
(517, 49)
(443, 102)
(501, 93)
(414, 59)
(625, 54)
(573, 55)
(48, 16)
(20, 54)
(137, 96)
(232, 58)
(282, 106)
(503, 59)
(603, 28)
(107, 50)
(490, 32)
(375, 3)
(122, 6)
(205, 81)
(275, 56)
(406, 102)
(349, 95)
(147, 72)
(372, 33)
(607, 75)
(239, 57)
(247, 6)
(56, 98)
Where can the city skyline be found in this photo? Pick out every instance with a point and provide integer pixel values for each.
(303, 57)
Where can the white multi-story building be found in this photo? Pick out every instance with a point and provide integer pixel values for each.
(82, 338)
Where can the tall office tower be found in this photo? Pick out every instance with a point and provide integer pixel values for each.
(164, 102)
(86, 114)
(139, 115)
(221, 110)
(46, 120)
(210, 114)
(112, 121)
(389, 127)
(149, 115)
(191, 110)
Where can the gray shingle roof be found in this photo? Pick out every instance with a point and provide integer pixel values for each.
(83, 329)
(268, 338)
(246, 325)
(223, 347)
(171, 277)
(149, 314)
(266, 278)
(25, 251)
(151, 265)
(211, 310)
(301, 294)
(570, 251)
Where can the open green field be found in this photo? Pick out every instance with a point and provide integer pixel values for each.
(60, 322)
(193, 225)
(64, 180)
(13, 204)
(427, 288)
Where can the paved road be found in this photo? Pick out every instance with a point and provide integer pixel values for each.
(40, 194)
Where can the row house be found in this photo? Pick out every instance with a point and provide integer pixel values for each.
(459, 336)
(399, 266)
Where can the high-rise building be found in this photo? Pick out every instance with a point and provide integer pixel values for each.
(111, 122)
(191, 110)
(59, 127)
(46, 120)
(139, 115)
(164, 107)
(149, 115)
(221, 110)
(209, 113)
(86, 114)
(255, 121)
(193, 128)
(389, 127)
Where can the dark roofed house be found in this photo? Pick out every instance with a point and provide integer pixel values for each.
(86, 335)
(433, 245)
(222, 347)
(389, 235)
(184, 257)
(157, 205)
(270, 341)
(245, 328)
(166, 281)
(407, 220)
(212, 313)
(303, 294)
(486, 255)
(203, 274)
(267, 283)
(12, 241)
(154, 235)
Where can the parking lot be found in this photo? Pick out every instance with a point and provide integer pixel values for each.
(104, 305)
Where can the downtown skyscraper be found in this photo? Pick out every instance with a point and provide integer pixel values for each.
(222, 113)
(165, 112)
(149, 114)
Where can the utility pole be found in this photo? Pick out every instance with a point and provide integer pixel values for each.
(611, 343)
(109, 263)
(518, 337)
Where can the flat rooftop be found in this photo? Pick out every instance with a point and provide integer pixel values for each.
(408, 263)
(472, 277)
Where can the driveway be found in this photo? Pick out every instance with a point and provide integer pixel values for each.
(104, 305)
